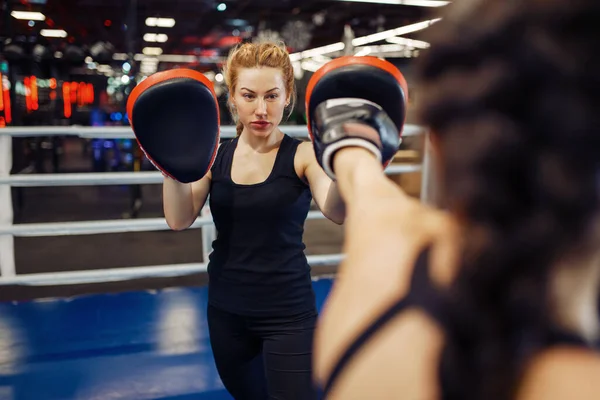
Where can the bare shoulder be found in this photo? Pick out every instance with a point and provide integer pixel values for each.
(306, 152)
(388, 207)
(383, 239)
(305, 157)
(562, 373)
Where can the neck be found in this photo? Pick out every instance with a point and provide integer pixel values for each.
(261, 144)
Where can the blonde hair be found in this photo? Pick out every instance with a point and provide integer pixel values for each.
(262, 54)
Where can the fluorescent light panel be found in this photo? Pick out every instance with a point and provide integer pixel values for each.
(417, 3)
(361, 41)
(403, 30)
(53, 33)
(382, 48)
(317, 51)
(160, 22)
(418, 44)
(175, 58)
(28, 15)
(155, 37)
(152, 51)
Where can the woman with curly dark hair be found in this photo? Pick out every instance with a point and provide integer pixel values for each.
(495, 297)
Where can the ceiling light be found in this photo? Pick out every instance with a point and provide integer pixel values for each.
(418, 3)
(33, 16)
(169, 58)
(317, 51)
(155, 37)
(360, 41)
(419, 44)
(54, 33)
(160, 22)
(237, 22)
(175, 58)
(222, 7)
(311, 66)
(152, 51)
(403, 30)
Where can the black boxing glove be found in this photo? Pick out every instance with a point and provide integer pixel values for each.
(329, 135)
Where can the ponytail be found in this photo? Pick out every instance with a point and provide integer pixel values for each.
(239, 127)
(521, 176)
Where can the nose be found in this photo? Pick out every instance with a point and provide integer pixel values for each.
(261, 107)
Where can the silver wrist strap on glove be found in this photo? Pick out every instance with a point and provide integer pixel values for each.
(331, 117)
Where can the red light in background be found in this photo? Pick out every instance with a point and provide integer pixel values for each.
(89, 96)
(34, 93)
(73, 91)
(6, 94)
(27, 83)
(66, 99)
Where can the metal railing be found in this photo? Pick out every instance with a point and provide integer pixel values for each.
(8, 231)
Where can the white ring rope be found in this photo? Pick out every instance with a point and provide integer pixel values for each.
(123, 178)
(125, 132)
(106, 226)
(119, 274)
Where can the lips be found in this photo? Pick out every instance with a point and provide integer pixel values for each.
(260, 124)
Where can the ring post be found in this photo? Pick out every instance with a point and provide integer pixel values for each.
(7, 255)
(428, 189)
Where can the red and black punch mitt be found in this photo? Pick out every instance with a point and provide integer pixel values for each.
(175, 118)
(356, 89)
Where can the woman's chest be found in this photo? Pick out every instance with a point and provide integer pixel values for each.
(252, 169)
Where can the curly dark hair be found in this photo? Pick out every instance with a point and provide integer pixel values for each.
(511, 92)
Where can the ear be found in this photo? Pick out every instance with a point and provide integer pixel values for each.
(231, 100)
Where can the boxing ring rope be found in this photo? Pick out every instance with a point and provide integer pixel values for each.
(124, 132)
(8, 231)
(121, 178)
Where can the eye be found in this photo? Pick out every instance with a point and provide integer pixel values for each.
(273, 96)
(247, 96)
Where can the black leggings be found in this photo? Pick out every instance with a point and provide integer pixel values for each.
(264, 358)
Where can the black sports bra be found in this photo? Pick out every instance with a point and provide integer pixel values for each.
(424, 295)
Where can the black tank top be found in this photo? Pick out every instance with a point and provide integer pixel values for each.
(424, 295)
(258, 266)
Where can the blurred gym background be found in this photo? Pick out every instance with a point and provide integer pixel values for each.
(74, 62)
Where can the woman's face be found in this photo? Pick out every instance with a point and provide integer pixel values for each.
(260, 99)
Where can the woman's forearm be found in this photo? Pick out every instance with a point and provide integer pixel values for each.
(360, 177)
(335, 206)
(354, 168)
(178, 204)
